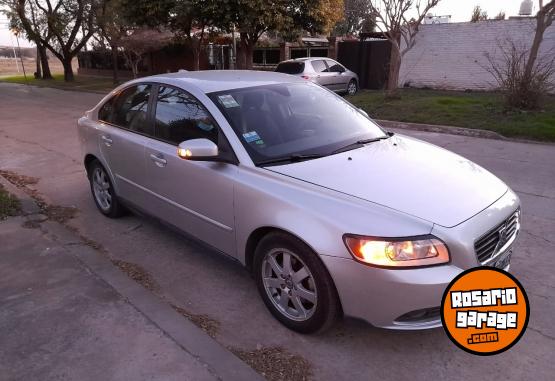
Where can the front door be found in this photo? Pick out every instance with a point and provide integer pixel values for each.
(195, 196)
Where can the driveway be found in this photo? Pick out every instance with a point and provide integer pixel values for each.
(38, 138)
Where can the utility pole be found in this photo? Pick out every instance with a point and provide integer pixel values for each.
(20, 56)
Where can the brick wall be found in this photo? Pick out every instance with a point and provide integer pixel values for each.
(452, 56)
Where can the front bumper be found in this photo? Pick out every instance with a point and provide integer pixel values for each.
(386, 297)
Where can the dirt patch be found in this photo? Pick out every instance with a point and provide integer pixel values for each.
(137, 273)
(19, 181)
(60, 214)
(204, 322)
(276, 364)
(30, 224)
(57, 213)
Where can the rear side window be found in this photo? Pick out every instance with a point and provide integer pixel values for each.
(131, 109)
(335, 67)
(105, 113)
(180, 117)
(290, 67)
(319, 66)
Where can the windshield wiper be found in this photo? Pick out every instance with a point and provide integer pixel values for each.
(361, 143)
(290, 159)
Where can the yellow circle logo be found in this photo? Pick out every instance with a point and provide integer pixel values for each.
(485, 311)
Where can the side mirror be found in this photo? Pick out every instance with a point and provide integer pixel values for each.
(197, 149)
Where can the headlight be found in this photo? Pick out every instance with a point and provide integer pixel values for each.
(387, 252)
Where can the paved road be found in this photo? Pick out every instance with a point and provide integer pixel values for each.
(38, 138)
(59, 321)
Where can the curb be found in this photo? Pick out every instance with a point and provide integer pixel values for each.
(452, 130)
(217, 359)
(474, 133)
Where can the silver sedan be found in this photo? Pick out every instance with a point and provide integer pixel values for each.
(323, 71)
(330, 213)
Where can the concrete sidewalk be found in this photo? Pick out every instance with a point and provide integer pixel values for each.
(62, 318)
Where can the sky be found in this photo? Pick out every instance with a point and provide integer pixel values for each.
(460, 10)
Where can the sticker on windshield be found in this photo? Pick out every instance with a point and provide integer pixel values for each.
(251, 137)
(228, 101)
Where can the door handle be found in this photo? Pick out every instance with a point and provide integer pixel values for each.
(158, 159)
(107, 140)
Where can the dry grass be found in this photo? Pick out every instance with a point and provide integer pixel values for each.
(8, 66)
(276, 364)
(137, 273)
(204, 322)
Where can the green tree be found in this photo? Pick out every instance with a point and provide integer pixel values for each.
(358, 18)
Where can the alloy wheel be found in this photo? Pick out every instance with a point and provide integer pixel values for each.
(289, 284)
(101, 189)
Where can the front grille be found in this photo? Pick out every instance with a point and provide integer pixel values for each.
(488, 245)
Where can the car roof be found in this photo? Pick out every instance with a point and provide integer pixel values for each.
(210, 81)
(309, 59)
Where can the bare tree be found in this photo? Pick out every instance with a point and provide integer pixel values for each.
(522, 89)
(523, 77)
(139, 42)
(392, 18)
(478, 14)
(501, 16)
(544, 19)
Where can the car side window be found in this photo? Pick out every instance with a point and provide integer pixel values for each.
(319, 66)
(179, 117)
(105, 112)
(334, 67)
(131, 109)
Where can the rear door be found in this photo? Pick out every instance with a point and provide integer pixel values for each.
(195, 196)
(323, 76)
(337, 79)
(123, 131)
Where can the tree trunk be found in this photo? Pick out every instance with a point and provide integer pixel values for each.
(46, 74)
(538, 37)
(241, 59)
(68, 69)
(248, 56)
(115, 77)
(38, 72)
(394, 69)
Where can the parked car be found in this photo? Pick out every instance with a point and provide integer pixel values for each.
(331, 214)
(323, 71)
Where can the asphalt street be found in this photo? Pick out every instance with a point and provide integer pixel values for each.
(38, 138)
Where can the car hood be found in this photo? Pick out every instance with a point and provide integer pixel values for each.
(407, 175)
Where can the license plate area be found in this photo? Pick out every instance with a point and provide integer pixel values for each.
(503, 261)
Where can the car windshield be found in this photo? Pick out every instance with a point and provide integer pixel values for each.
(290, 120)
(290, 67)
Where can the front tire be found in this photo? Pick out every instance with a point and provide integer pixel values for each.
(103, 192)
(294, 284)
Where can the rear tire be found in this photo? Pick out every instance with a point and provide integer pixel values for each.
(352, 87)
(103, 192)
(294, 284)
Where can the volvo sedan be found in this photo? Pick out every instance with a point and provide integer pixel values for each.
(332, 215)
